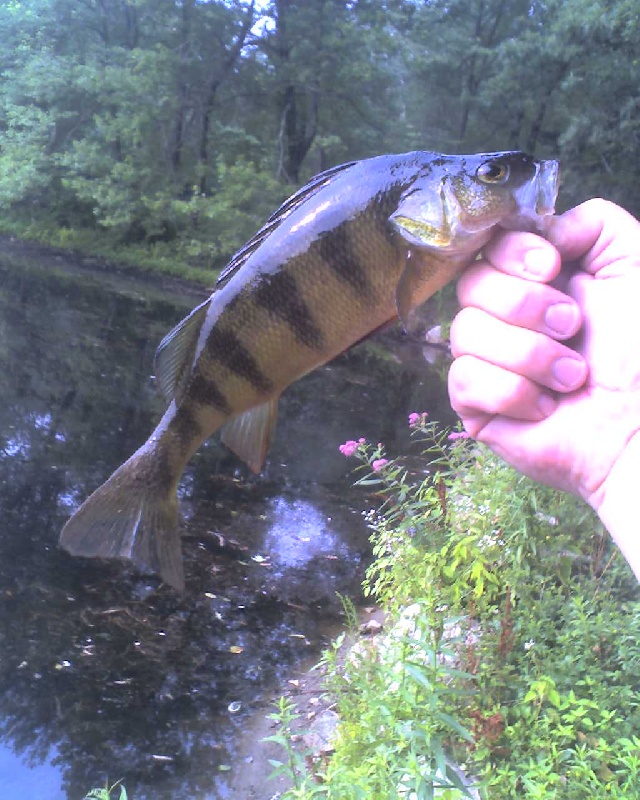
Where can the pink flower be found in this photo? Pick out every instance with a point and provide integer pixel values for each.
(458, 435)
(348, 448)
(379, 463)
(417, 419)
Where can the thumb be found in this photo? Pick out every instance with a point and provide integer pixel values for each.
(599, 234)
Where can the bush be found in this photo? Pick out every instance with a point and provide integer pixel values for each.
(519, 658)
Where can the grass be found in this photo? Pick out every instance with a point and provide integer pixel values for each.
(164, 259)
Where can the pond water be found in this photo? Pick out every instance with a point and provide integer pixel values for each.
(107, 673)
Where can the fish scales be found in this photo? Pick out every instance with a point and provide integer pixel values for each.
(281, 297)
(226, 349)
(358, 246)
(319, 285)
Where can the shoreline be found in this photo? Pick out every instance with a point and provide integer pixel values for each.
(16, 249)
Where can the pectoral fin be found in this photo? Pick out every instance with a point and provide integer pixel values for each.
(249, 435)
(175, 353)
(413, 287)
(424, 274)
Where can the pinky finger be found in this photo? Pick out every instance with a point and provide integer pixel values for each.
(479, 391)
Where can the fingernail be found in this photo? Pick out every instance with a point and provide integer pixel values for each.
(569, 372)
(546, 405)
(562, 318)
(537, 262)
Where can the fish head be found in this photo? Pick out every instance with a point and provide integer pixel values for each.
(455, 202)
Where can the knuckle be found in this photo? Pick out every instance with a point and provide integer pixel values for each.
(462, 377)
(462, 329)
(536, 357)
(522, 303)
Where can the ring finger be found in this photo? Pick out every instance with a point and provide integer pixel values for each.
(480, 391)
(527, 353)
(520, 302)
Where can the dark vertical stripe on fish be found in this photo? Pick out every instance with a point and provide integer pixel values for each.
(279, 294)
(204, 392)
(186, 427)
(165, 471)
(337, 251)
(228, 350)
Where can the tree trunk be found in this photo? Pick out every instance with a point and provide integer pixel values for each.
(217, 77)
(298, 127)
(297, 106)
(182, 88)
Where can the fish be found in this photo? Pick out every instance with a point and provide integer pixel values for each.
(360, 245)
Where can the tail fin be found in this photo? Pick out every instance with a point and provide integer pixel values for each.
(131, 517)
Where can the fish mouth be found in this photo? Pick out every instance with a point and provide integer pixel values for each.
(547, 181)
(536, 199)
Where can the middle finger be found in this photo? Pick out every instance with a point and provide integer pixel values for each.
(520, 302)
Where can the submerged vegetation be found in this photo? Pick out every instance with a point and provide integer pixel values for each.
(510, 659)
(164, 133)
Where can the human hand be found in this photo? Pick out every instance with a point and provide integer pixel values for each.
(566, 417)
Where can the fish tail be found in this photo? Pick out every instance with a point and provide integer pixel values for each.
(132, 516)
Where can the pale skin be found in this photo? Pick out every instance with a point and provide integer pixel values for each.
(550, 379)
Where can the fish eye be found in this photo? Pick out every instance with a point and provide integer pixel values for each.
(492, 172)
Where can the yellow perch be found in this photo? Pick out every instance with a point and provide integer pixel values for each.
(358, 246)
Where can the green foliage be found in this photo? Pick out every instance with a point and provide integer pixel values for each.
(393, 704)
(512, 643)
(108, 793)
(181, 125)
(295, 766)
(212, 226)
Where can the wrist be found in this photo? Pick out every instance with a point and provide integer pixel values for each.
(616, 503)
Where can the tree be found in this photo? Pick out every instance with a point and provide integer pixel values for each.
(175, 122)
(326, 63)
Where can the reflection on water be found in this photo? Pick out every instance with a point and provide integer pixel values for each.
(37, 782)
(102, 671)
(298, 532)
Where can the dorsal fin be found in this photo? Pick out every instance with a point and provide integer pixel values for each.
(175, 353)
(275, 220)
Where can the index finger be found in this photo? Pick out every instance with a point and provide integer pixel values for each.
(523, 255)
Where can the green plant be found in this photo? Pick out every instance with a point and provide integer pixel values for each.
(295, 767)
(105, 794)
(512, 644)
(394, 699)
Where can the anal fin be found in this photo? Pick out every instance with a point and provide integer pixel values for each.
(249, 435)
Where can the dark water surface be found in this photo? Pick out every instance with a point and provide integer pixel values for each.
(107, 673)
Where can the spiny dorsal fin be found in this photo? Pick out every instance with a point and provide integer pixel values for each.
(175, 353)
(301, 196)
(249, 435)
